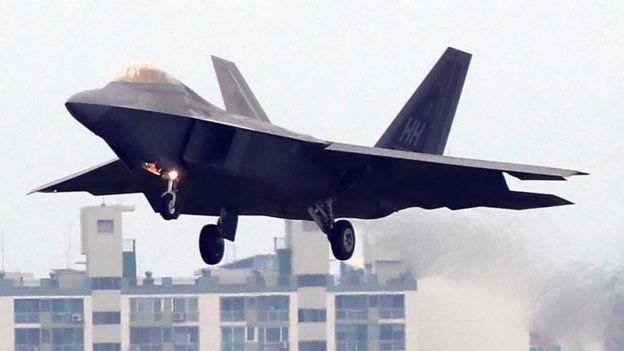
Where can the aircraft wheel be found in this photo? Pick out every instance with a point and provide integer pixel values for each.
(342, 239)
(211, 244)
(170, 207)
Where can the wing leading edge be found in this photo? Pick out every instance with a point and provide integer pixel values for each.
(108, 178)
(520, 171)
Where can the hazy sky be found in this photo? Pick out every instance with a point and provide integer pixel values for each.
(544, 87)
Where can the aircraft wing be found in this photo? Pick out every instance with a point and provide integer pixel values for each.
(111, 177)
(398, 179)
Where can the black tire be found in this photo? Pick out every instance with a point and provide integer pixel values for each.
(342, 239)
(211, 244)
(170, 207)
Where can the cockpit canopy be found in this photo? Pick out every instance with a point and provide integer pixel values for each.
(146, 73)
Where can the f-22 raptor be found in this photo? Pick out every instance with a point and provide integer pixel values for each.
(188, 156)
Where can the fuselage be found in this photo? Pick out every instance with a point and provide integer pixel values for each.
(189, 156)
(167, 126)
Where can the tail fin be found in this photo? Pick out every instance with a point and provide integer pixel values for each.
(237, 96)
(424, 123)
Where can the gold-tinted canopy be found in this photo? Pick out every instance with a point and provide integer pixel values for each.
(145, 73)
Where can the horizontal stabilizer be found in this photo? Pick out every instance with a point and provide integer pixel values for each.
(542, 176)
(517, 200)
(111, 177)
(394, 180)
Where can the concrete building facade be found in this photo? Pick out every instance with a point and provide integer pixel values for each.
(283, 301)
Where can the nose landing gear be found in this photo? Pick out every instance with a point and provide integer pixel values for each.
(170, 206)
(340, 234)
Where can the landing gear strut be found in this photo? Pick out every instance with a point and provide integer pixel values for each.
(170, 204)
(340, 234)
(212, 237)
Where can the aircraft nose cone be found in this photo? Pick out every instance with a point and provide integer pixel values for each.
(87, 114)
(87, 107)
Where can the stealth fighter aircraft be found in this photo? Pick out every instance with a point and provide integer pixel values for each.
(188, 156)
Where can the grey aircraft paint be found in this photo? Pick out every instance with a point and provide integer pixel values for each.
(236, 159)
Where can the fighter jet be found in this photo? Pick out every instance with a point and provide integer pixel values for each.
(188, 156)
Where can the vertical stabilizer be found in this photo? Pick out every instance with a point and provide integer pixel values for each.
(424, 123)
(237, 96)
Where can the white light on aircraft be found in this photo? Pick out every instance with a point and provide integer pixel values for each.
(173, 174)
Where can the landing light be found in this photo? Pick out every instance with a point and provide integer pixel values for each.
(172, 175)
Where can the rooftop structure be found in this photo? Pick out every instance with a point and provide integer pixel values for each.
(287, 300)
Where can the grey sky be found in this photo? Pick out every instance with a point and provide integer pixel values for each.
(544, 87)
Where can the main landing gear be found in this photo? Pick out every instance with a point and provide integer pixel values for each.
(340, 234)
(211, 237)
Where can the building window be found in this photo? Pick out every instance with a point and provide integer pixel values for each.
(267, 308)
(107, 346)
(373, 301)
(232, 339)
(70, 339)
(251, 334)
(58, 310)
(66, 310)
(179, 305)
(67, 339)
(389, 306)
(392, 337)
(105, 226)
(392, 306)
(273, 338)
(46, 338)
(27, 339)
(311, 315)
(351, 337)
(26, 310)
(351, 307)
(106, 317)
(232, 309)
(170, 309)
(147, 309)
(106, 283)
(149, 338)
(273, 308)
(184, 309)
(312, 345)
(186, 338)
